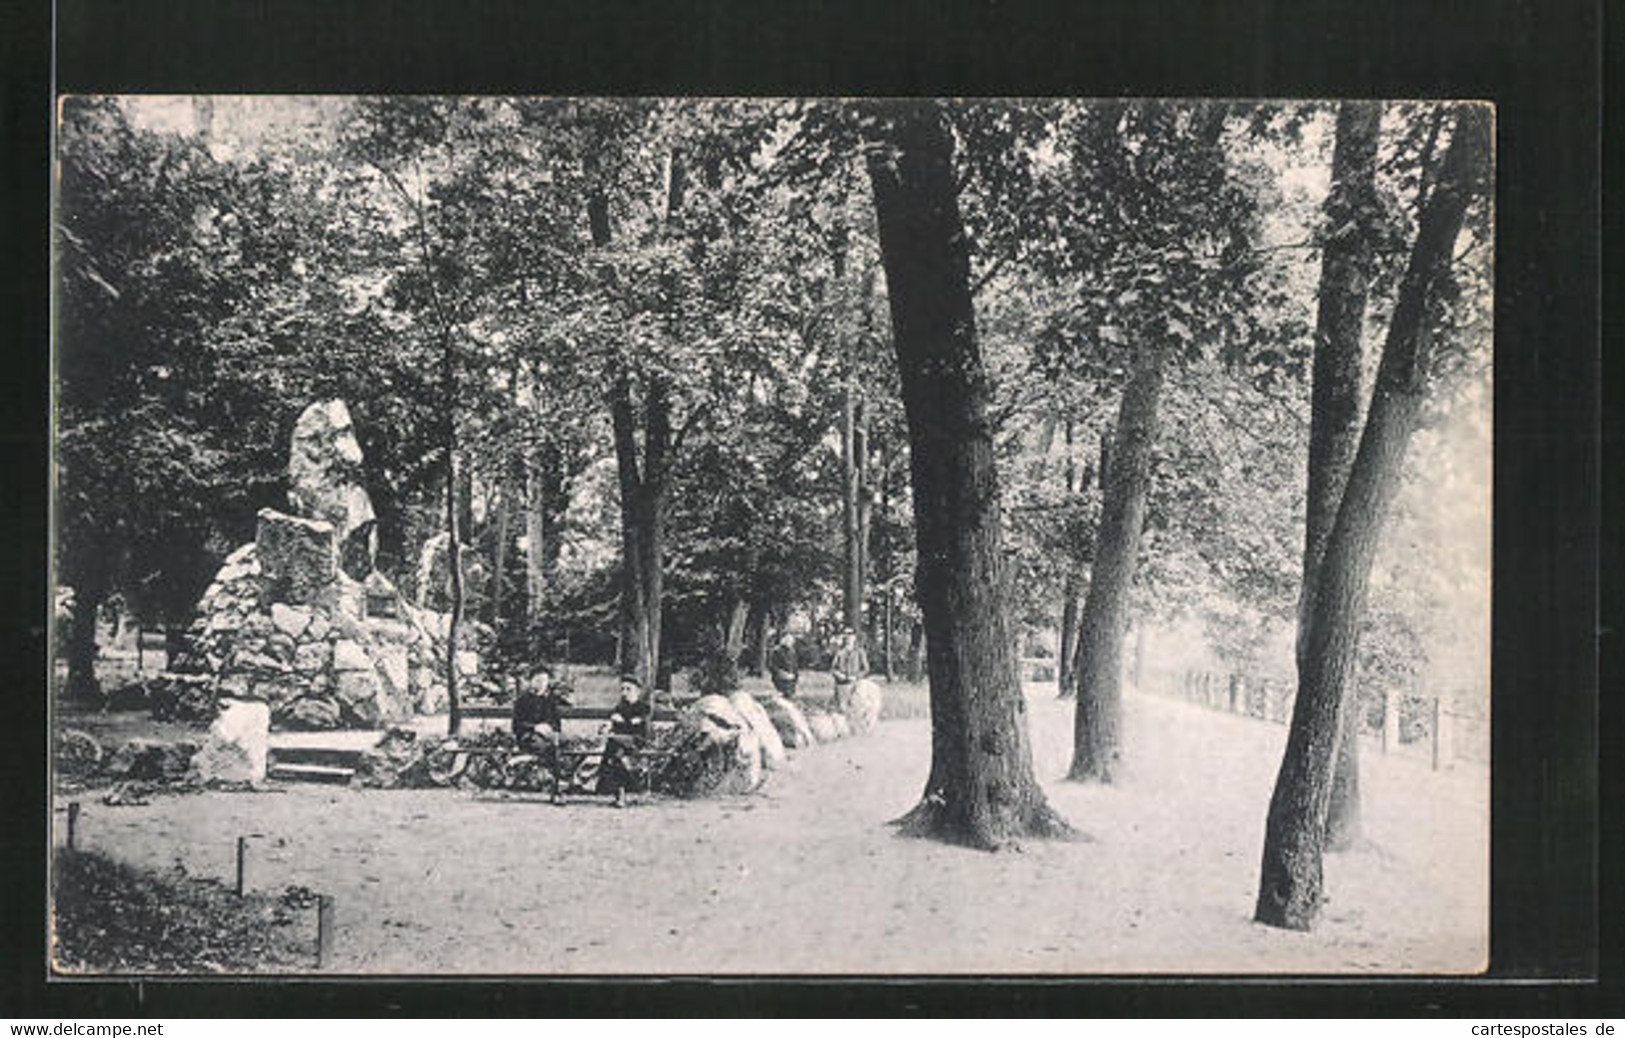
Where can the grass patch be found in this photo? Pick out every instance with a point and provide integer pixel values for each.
(110, 917)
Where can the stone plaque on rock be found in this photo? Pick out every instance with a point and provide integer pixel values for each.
(298, 557)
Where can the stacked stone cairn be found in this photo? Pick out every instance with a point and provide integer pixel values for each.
(300, 619)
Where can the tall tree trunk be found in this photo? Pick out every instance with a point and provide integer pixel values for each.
(88, 595)
(643, 488)
(888, 561)
(1098, 670)
(643, 501)
(1334, 426)
(981, 791)
(1291, 882)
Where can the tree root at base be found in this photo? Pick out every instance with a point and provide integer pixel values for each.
(930, 819)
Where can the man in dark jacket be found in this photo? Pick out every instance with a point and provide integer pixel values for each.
(536, 713)
(783, 666)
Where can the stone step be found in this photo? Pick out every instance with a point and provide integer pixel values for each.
(311, 773)
(327, 756)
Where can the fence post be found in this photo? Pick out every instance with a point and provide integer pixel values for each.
(324, 930)
(73, 825)
(1390, 721)
(242, 863)
(1441, 734)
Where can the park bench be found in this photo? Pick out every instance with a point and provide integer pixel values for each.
(567, 759)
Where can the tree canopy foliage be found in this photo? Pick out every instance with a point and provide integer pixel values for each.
(624, 339)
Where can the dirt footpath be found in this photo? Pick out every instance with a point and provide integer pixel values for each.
(804, 877)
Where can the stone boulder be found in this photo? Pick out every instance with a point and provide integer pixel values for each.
(863, 706)
(823, 726)
(237, 745)
(713, 752)
(149, 761)
(842, 728)
(400, 760)
(183, 697)
(326, 481)
(788, 721)
(309, 713)
(773, 753)
(298, 558)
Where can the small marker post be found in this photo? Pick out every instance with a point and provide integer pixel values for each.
(73, 825)
(242, 863)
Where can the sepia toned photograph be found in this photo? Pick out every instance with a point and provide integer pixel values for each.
(553, 536)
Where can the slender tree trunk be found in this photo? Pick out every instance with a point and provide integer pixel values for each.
(734, 638)
(454, 560)
(1098, 670)
(499, 551)
(1334, 428)
(916, 650)
(536, 503)
(465, 500)
(1291, 882)
(981, 791)
(1069, 587)
(764, 635)
(738, 618)
(1065, 681)
(851, 506)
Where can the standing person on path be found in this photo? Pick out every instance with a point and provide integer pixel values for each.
(783, 666)
(849, 665)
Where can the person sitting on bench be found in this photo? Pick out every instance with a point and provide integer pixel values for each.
(536, 714)
(628, 733)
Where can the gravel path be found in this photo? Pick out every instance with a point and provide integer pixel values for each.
(804, 876)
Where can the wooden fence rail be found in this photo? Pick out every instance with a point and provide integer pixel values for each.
(1451, 734)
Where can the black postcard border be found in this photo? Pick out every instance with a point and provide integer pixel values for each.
(1540, 63)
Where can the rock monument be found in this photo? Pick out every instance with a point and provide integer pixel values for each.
(301, 620)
